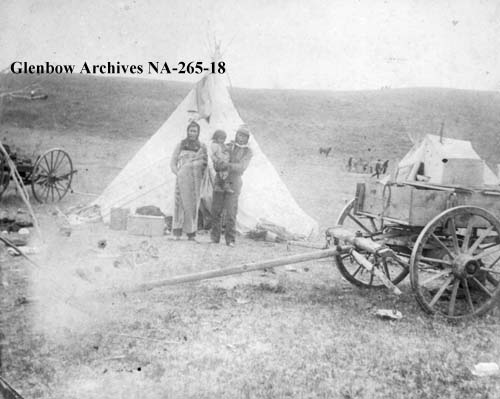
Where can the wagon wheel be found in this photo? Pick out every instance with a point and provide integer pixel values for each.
(351, 270)
(51, 176)
(4, 174)
(454, 266)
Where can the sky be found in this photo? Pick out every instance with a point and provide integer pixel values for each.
(292, 44)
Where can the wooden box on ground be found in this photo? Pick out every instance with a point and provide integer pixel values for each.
(143, 225)
(118, 218)
(401, 203)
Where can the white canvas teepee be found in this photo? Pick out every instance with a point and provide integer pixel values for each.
(147, 179)
(446, 161)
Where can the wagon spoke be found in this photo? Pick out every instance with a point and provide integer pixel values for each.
(358, 222)
(57, 161)
(47, 163)
(42, 167)
(441, 291)
(61, 162)
(60, 185)
(45, 191)
(441, 243)
(454, 237)
(43, 180)
(480, 240)
(467, 294)
(357, 271)
(486, 269)
(453, 297)
(480, 285)
(58, 192)
(63, 176)
(435, 260)
(468, 233)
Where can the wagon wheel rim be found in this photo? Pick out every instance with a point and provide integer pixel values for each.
(455, 264)
(354, 272)
(52, 176)
(4, 175)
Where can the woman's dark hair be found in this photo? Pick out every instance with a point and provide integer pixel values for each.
(191, 145)
(193, 124)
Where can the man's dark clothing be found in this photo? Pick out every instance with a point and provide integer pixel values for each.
(240, 157)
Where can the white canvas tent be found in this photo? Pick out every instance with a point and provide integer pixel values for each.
(446, 161)
(147, 179)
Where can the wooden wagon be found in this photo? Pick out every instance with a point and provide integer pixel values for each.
(446, 238)
(49, 174)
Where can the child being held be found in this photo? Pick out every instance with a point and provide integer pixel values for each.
(220, 156)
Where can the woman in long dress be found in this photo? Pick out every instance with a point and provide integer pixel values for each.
(189, 162)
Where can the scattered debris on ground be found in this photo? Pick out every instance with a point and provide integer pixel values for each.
(485, 369)
(389, 314)
(14, 220)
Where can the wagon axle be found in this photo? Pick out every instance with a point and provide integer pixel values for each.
(464, 266)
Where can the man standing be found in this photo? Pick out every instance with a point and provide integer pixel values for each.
(378, 168)
(239, 158)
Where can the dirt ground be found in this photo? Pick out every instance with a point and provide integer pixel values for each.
(70, 328)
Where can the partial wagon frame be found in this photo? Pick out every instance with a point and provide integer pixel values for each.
(49, 175)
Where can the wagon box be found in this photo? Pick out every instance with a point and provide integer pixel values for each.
(416, 204)
(405, 204)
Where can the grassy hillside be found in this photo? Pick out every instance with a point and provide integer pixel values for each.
(369, 123)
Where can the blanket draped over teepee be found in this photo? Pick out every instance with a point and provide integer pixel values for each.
(147, 180)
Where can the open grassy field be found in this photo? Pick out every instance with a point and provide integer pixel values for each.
(300, 332)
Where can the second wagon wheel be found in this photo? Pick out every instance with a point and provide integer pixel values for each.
(351, 270)
(454, 266)
(52, 175)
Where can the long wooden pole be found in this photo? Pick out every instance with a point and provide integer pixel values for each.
(304, 244)
(7, 391)
(246, 267)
